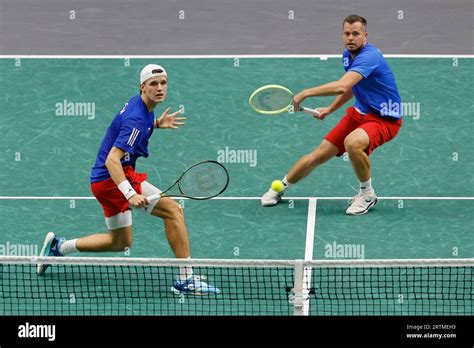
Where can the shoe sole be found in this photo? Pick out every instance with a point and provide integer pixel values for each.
(41, 268)
(366, 210)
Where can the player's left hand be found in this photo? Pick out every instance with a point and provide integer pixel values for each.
(322, 113)
(171, 121)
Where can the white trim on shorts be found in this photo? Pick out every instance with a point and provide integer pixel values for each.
(120, 220)
(125, 219)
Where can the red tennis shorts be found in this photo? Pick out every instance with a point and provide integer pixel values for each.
(111, 198)
(379, 129)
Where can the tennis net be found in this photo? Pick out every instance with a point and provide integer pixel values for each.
(132, 286)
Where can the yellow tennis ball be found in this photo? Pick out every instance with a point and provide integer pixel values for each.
(277, 186)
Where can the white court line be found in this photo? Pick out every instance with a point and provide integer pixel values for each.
(247, 198)
(308, 252)
(220, 56)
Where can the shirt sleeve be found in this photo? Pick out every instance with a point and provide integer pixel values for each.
(365, 63)
(130, 133)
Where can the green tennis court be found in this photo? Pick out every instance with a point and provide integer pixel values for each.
(55, 113)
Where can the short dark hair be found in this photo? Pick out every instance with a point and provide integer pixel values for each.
(355, 18)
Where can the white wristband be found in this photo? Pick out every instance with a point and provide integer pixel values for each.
(127, 189)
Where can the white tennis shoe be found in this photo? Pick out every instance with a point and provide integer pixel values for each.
(361, 203)
(271, 198)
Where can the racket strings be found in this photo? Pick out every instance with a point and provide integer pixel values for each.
(271, 99)
(206, 179)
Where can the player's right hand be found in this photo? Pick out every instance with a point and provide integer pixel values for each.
(138, 201)
(323, 112)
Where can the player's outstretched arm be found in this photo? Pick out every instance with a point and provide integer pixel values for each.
(342, 86)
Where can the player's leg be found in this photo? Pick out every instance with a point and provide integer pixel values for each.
(118, 218)
(306, 164)
(357, 144)
(118, 238)
(175, 226)
(302, 168)
(332, 145)
(177, 234)
(373, 132)
(173, 218)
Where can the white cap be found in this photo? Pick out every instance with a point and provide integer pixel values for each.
(151, 70)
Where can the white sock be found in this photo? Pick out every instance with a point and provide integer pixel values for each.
(366, 187)
(185, 272)
(68, 247)
(285, 182)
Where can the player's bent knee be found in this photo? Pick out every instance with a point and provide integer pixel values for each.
(168, 209)
(176, 211)
(120, 239)
(120, 246)
(352, 144)
(121, 243)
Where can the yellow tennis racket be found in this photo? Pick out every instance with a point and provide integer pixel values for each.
(275, 99)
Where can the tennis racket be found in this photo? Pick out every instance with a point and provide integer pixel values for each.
(275, 99)
(201, 181)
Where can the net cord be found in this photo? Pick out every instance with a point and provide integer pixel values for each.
(117, 261)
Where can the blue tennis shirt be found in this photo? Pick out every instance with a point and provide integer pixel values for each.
(129, 131)
(377, 92)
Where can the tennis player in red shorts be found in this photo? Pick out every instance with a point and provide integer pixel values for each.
(374, 119)
(119, 188)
